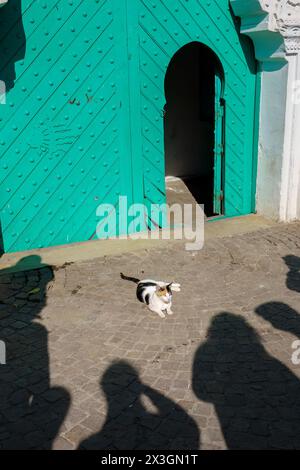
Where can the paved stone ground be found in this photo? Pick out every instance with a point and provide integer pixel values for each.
(90, 367)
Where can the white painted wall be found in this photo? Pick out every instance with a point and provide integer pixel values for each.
(290, 187)
(271, 141)
(274, 27)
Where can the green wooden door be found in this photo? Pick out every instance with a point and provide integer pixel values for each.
(83, 123)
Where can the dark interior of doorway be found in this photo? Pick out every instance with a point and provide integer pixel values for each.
(189, 125)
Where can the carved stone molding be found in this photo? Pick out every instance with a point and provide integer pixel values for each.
(291, 34)
(284, 17)
(263, 19)
(258, 21)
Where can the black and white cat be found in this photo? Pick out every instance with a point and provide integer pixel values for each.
(157, 295)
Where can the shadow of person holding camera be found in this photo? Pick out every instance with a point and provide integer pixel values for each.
(139, 417)
(31, 409)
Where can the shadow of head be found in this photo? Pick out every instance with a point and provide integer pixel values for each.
(281, 316)
(24, 286)
(226, 327)
(220, 356)
(293, 276)
(30, 262)
(13, 41)
(27, 263)
(118, 376)
(292, 262)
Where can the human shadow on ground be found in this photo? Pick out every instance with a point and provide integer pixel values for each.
(31, 410)
(256, 397)
(293, 276)
(139, 417)
(281, 316)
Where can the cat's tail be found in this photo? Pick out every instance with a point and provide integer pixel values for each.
(127, 278)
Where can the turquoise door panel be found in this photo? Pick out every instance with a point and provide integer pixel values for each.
(64, 149)
(83, 120)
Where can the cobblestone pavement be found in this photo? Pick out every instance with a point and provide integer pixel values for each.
(88, 366)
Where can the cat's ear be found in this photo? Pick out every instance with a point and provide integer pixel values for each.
(169, 288)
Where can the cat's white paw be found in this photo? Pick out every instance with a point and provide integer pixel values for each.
(170, 312)
(161, 314)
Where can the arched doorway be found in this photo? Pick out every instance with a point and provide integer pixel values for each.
(194, 128)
